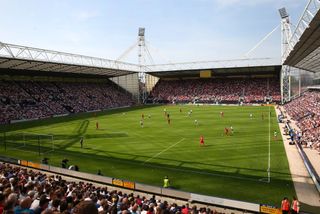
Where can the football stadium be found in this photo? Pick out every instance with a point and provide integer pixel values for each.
(84, 134)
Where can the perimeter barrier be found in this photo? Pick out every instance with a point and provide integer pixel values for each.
(312, 172)
(166, 192)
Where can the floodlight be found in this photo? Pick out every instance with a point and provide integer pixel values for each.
(283, 13)
(141, 31)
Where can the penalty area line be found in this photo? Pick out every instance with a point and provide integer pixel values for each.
(159, 153)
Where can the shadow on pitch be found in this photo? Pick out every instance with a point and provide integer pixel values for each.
(80, 130)
(136, 159)
(69, 118)
(73, 140)
(238, 173)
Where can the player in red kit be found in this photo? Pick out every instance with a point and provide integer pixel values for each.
(97, 125)
(201, 141)
(226, 131)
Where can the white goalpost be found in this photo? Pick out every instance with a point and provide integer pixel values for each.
(28, 141)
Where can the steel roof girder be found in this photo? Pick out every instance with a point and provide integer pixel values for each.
(18, 64)
(310, 11)
(55, 56)
(49, 67)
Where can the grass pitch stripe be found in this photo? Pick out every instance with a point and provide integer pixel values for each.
(164, 150)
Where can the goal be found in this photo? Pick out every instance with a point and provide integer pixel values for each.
(32, 142)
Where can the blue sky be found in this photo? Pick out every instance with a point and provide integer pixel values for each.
(178, 30)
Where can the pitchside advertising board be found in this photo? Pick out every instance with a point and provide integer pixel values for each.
(269, 209)
(123, 183)
(205, 74)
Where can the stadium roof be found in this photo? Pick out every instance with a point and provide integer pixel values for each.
(304, 45)
(245, 66)
(214, 64)
(216, 72)
(16, 59)
(22, 58)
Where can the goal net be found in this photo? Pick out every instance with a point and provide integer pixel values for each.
(27, 141)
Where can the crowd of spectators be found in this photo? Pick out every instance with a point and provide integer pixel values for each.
(255, 90)
(305, 110)
(17, 103)
(32, 99)
(40, 93)
(27, 191)
(40, 99)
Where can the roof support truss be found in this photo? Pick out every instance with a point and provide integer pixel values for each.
(37, 54)
(310, 11)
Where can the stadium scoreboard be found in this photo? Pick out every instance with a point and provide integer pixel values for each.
(205, 73)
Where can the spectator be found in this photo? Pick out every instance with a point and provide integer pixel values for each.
(305, 110)
(85, 207)
(2, 203)
(72, 197)
(43, 204)
(55, 205)
(217, 90)
(24, 207)
(32, 99)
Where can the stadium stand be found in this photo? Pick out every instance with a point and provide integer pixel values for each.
(23, 190)
(23, 100)
(31, 99)
(306, 111)
(258, 90)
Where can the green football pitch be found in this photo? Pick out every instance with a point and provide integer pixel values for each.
(234, 166)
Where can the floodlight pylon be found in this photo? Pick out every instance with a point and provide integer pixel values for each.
(286, 34)
(142, 63)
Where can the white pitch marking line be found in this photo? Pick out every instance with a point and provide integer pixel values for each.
(164, 150)
(269, 148)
